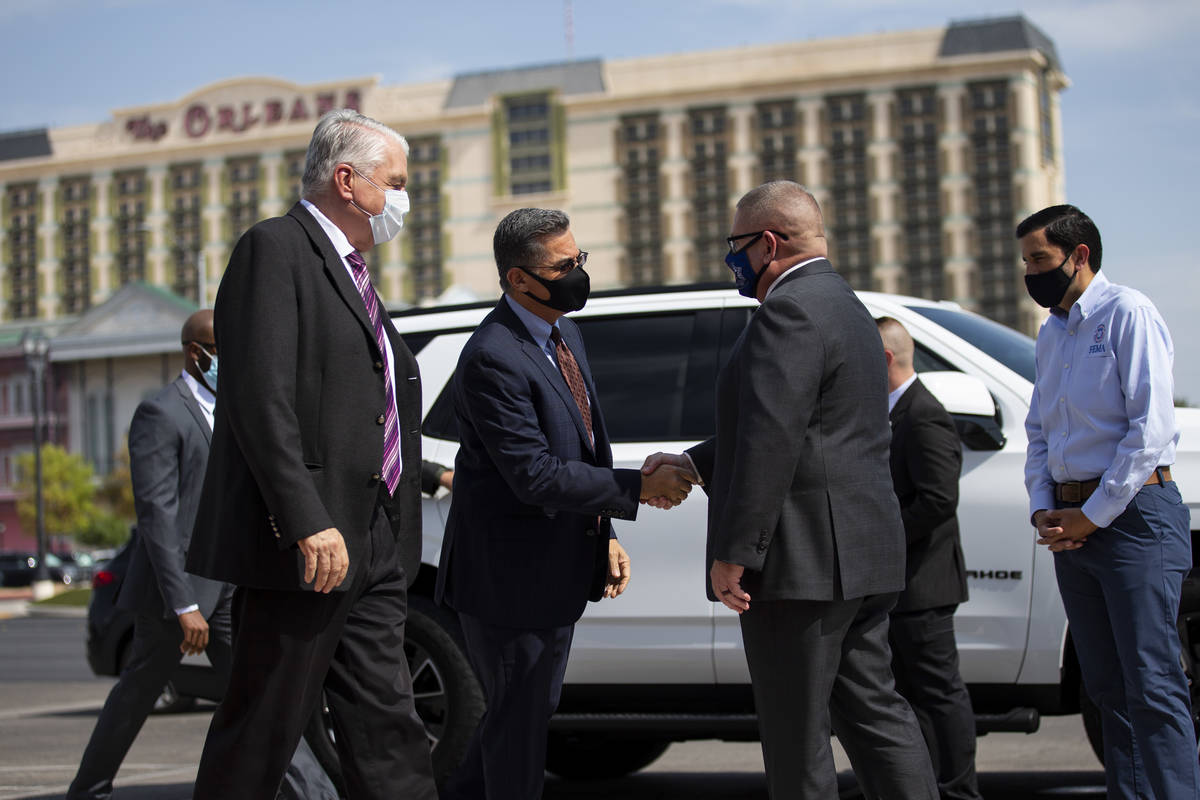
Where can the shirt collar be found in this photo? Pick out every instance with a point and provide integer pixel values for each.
(895, 394)
(787, 272)
(338, 239)
(1087, 301)
(538, 328)
(204, 397)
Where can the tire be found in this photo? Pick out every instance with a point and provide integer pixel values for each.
(596, 756)
(449, 699)
(169, 700)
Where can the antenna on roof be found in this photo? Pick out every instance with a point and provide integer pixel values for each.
(569, 29)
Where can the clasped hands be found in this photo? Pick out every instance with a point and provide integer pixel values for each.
(1063, 528)
(666, 479)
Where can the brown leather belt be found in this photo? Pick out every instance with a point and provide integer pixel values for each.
(1079, 491)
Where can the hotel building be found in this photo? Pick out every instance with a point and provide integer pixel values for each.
(923, 147)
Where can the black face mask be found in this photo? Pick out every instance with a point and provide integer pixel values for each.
(1049, 288)
(568, 293)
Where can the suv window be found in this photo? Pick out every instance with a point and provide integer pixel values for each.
(1012, 349)
(654, 373)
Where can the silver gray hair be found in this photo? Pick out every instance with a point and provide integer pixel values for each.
(344, 136)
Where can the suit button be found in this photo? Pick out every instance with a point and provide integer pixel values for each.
(375, 477)
(379, 420)
(762, 548)
(591, 531)
(378, 365)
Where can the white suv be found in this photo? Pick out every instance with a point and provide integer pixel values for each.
(662, 663)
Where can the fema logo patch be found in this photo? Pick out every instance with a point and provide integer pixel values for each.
(1098, 349)
(1099, 335)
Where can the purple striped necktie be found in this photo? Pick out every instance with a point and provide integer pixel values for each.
(391, 425)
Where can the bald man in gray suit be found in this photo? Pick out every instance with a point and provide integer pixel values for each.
(805, 540)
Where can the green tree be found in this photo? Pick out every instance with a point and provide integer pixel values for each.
(69, 497)
(68, 491)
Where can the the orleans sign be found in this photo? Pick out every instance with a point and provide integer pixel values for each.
(201, 118)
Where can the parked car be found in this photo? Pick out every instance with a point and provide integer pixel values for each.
(18, 568)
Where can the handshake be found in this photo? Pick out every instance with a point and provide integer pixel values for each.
(667, 479)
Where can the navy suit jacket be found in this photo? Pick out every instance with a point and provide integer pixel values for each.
(526, 542)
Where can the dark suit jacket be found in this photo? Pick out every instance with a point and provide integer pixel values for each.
(526, 542)
(168, 450)
(797, 475)
(926, 462)
(298, 441)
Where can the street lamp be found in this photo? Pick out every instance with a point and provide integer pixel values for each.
(37, 353)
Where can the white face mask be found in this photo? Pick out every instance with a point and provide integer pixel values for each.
(387, 223)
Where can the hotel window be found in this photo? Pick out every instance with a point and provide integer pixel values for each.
(424, 220)
(131, 229)
(639, 153)
(920, 196)
(1046, 117)
(847, 122)
(529, 129)
(75, 274)
(778, 128)
(987, 119)
(294, 165)
(23, 251)
(707, 144)
(242, 176)
(186, 182)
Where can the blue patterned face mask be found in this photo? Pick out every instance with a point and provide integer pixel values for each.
(743, 273)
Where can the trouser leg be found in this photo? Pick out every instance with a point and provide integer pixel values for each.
(154, 657)
(382, 743)
(925, 663)
(521, 672)
(793, 648)
(1137, 564)
(873, 722)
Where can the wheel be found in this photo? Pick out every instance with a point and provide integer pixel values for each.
(169, 700)
(594, 756)
(448, 697)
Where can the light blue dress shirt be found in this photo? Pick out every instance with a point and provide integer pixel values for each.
(1103, 403)
(538, 328)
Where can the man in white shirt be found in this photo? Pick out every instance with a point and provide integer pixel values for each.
(1102, 437)
(177, 614)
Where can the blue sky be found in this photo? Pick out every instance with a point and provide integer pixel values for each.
(1131, 119)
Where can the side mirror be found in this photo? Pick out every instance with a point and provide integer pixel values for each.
(971, 406)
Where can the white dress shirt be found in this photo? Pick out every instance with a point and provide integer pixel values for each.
(343, 248)
(787, 272)
(208, 402)
(1103, 403)
(895, 394)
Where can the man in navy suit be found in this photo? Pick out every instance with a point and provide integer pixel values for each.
(528, 540)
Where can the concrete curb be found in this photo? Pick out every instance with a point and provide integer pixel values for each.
(36, 610)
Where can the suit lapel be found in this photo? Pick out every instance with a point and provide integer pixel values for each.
(548, 369)
(335, 268)
(193, 407)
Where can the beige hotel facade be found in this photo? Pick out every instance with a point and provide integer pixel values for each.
(924, 148)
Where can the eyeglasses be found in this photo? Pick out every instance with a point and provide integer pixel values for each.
(732, 240)
(564, 266)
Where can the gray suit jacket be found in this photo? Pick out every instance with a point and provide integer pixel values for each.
(799, 487)
(168, 451)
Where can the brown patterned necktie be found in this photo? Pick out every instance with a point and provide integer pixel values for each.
(574, 378)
